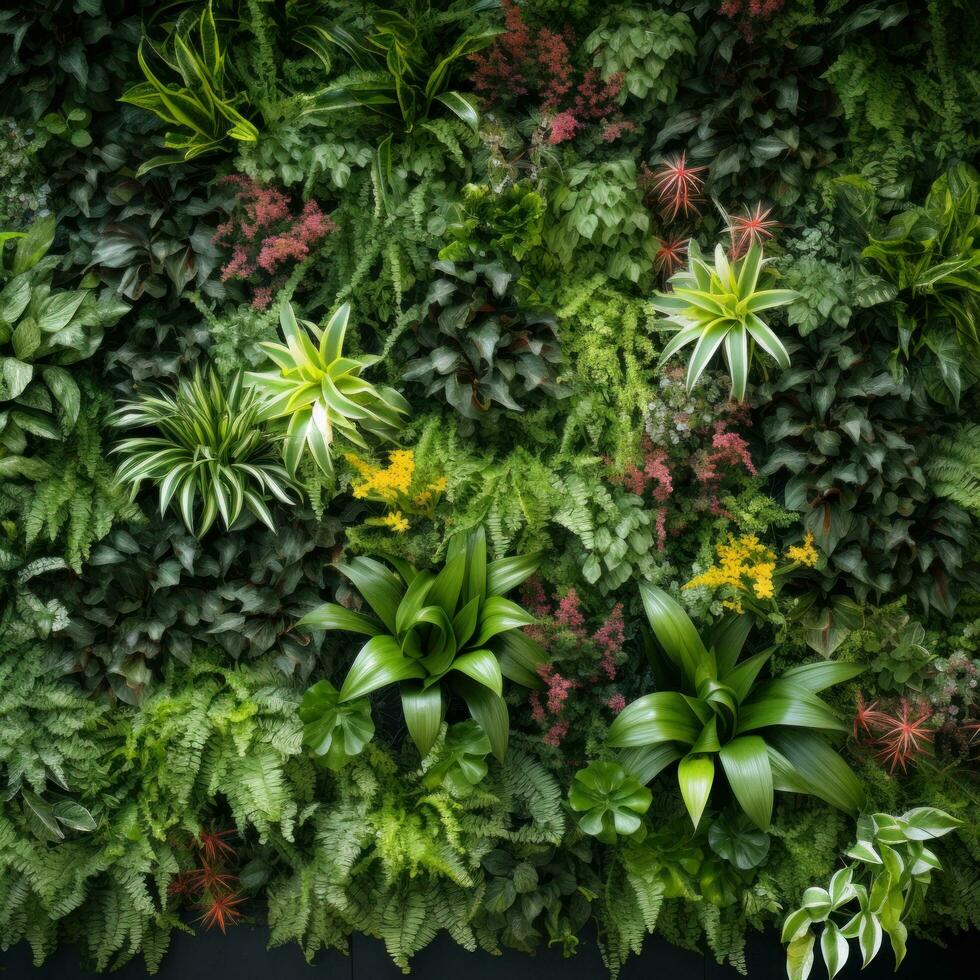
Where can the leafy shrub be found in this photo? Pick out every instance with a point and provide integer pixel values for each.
(850, 439)
(42, 329)
(484, 351)
(645, 48)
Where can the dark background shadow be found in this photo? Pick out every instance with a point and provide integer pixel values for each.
(241, 954)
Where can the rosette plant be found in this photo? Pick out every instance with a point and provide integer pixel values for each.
(610, 801)
(715, 305)
(210, 448)
(710, 708)
(403, 64)
(319, 392)
(440, 633)
(334, 731)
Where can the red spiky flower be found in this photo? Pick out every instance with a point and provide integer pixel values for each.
(220, 910)
(670, 256)
(867, 719)
(210, 879)
(903, 738)
(214, 846)
(678, 186)
(182, 883)
(752, 227)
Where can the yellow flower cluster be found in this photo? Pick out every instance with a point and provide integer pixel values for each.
(744, 564)
(386, 483)
(394, 486)
(746, 567)
(805, 554)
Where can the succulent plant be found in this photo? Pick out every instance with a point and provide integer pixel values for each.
(478, 347)
(334, 731)
(319, 392)
(711, 305)
(610, 800)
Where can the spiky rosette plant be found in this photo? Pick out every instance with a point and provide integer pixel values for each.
(478, 347)
(211, 449)
(319, 392)
(439, 633)
(709, 708)
(715, 305)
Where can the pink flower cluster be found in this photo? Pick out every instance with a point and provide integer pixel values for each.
(655, 471)
(558, 690)
(728, 452)
(750, 14)
(596, 655)
(609, 639)
(524, 63)
(266, 238)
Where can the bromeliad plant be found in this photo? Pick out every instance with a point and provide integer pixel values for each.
(199, 107)
(767, 734)
(320, 392)
(437, 633)
(719, 304)
(210, 449)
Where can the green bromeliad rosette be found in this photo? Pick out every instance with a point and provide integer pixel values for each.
(719, 304)
(318, 392)
(440, 633)
(712, 707)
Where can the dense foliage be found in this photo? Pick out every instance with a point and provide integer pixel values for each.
(491, 466)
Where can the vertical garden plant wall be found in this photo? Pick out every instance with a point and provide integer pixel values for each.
(500, 468)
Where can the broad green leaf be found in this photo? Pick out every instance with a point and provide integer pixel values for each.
(746, 764)
(834, 948)
(424, 710)
(505, 574)
(330, 616)
(927, 822)
(799, 957)
(676, 634)
(483, 667)
(73, 815)
(380, 662)
(824, 771)
(489, 709)
(822, 674)
(869, 937)
(381, 588)
(661, 717)
(499, 615)
(695, 774)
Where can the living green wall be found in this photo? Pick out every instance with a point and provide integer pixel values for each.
(504, 469)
